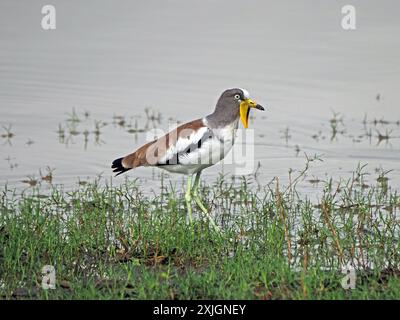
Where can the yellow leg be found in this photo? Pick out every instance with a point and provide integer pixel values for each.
(188, 198)
(200, 204)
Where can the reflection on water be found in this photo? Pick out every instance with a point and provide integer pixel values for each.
(75, 98)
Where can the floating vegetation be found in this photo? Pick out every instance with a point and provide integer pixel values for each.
(315, 181)
(11, 162)
(8, 132)
(72, 129)
(152, 115)
(297, 150)
(76, 126)
(82, 182)
(383, 179)
(98, 125)
(381, 122)
(31, 181)
(48, 175)
(384, 137)
(86, 134)
(135, 129)
(337, 125)
(73, 117)
(318, 136)
(118, 118)
(61, 133)
(286, 135)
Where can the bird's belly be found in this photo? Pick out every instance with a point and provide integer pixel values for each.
(209, 154)
(185, 168)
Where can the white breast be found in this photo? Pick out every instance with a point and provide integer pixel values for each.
(211, 151)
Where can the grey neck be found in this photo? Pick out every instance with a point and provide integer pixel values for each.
(223, 116)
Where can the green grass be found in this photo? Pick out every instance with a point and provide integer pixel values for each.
(109, 242)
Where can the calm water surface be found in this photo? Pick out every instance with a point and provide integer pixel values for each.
(73, 99)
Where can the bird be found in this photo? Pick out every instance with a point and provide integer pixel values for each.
(195, 145)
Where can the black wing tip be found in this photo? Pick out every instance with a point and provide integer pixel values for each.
(118, 167)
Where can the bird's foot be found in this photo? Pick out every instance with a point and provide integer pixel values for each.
(206, 212)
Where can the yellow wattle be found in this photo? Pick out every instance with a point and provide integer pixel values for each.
(244, 113)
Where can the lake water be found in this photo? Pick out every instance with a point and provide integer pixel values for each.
(111, 61)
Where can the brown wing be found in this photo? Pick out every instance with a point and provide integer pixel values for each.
(151, 153)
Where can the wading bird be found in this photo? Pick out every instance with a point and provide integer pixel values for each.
(195, 145)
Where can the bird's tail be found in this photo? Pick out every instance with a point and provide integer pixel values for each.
(118, 167)
(131, 161)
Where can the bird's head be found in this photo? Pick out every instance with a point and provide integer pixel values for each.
(239, 100)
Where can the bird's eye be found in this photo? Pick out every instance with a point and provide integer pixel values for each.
(237, 96)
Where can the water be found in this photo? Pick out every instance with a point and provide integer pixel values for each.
(116, 59)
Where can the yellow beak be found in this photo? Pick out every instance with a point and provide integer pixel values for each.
(245, 110)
